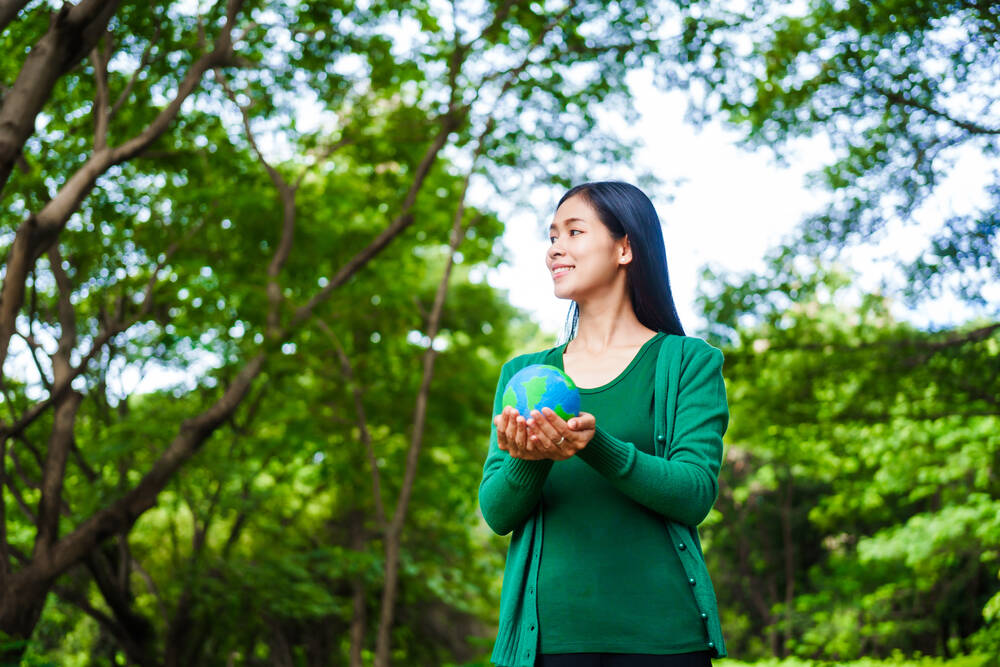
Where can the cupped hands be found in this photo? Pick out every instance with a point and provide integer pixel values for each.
(545, 435)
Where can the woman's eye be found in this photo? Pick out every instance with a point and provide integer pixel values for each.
(572, 232)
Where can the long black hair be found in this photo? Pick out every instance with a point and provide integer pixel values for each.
(626, 211)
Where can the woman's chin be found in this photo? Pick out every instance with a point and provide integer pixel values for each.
(561, 293)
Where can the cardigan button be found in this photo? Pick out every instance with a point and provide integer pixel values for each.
(661, 437)
(711, 644)
(682, 546)
(704, 616)
(691, 581)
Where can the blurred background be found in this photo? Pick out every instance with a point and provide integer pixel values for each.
(262, 262)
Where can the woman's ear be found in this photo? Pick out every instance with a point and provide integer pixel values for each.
(624, 251)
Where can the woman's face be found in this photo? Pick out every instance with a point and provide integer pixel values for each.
(583, 258)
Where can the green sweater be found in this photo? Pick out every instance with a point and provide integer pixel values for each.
(678, 481)
(609, 579)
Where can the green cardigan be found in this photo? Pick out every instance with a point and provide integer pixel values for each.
(679, 482)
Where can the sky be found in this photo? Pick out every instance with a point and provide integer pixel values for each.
(731, 206)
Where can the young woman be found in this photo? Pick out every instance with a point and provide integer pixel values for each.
(604, 566)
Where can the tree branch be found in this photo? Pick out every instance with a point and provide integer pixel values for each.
(33, 348)
(954, 339)
(53, 473)
(72, 33)
(99, 58)
(153, 590)
(123, 513)
(17, 494)
(286, 194)
(902, 100)
(111, 328)
(5, 567)
(39, 231)
(9, 10)
(394, 532)
(403, 219)
(143, 61)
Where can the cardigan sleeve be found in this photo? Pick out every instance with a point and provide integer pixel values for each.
(511, 488)
(683, 486)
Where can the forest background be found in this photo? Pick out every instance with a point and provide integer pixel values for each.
(305, 492)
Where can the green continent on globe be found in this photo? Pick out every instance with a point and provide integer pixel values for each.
(510, 397)
(562, 412)
(534, 390)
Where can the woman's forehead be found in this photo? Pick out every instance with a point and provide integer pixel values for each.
(574, 209)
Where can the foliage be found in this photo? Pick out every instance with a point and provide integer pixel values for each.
(902, 91)
(859, 502)
(268, 258)
(859, 499)
(898, 661)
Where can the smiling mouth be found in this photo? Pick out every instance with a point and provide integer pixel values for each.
(561, 270)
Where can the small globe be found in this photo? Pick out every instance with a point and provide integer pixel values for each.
(542, 386)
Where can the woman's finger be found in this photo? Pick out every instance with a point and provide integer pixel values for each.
(511, 432)
(582, 422)
(501, 424)
(551, 426)
(500, 421)
(521, 436)
(526, 449)
(541, 442)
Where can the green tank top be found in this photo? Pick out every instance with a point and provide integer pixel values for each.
(609, 579)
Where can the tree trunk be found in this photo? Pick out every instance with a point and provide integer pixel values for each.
(20, 608)
(394, 531)
(359, 615)
(789, 558)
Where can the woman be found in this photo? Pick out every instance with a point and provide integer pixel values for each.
(604, 567)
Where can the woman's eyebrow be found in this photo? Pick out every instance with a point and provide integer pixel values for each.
(566, 222)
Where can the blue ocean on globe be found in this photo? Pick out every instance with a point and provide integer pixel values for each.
(542, 386)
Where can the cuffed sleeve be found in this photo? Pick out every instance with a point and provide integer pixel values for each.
(511, 488)
(608, 455)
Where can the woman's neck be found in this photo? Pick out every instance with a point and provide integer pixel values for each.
(608, 325)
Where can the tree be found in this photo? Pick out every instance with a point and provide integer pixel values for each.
(137, 170)
(900, 89)
(857, 511)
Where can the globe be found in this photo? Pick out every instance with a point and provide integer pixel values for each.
(542, 386)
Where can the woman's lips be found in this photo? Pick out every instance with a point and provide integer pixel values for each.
(560, 271)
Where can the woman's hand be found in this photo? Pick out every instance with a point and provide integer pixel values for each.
(545, 436)
(512, 435)
(557, 438)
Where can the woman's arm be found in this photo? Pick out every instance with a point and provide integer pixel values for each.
(511, 487)
(684, 486)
